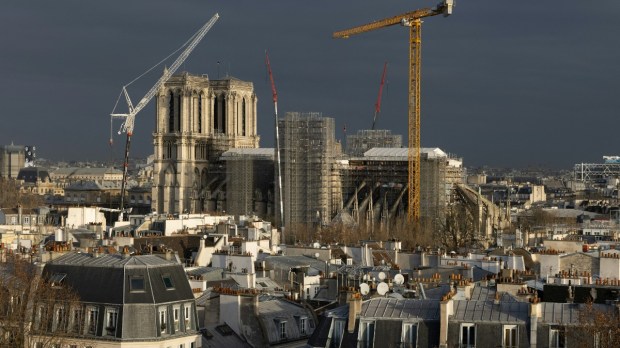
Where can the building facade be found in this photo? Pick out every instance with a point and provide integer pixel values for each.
(198, 119)
(12, 159)
(124, 301)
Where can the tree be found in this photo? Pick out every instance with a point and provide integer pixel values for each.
(457, 230)
(598, 326)
(34, 312)
(10, 195)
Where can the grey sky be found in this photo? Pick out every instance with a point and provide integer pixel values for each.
(505, 83)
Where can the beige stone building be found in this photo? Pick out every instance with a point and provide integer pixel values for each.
(12, 159)
(198, 119)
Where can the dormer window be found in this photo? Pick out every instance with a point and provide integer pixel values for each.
(168, 281)
(57, 279)
(136, 283)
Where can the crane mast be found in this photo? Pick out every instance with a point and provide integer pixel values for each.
(378, 103)
(413, 21)
(278, 163)
(129, 118)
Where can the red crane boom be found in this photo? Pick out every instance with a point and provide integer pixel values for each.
(378, 103)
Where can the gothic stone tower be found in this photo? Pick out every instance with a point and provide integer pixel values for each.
(197, 120)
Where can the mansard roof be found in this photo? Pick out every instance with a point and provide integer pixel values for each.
(108, 278)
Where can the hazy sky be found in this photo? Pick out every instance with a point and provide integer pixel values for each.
(504, 83)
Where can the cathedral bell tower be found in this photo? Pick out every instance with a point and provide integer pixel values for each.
(197, 120)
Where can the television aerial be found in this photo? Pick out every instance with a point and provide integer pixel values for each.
(382, 288)
(364, 289)
(381, 276)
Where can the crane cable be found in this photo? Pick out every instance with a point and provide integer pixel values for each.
(151, 69)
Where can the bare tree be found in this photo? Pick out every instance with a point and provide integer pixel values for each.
(10, 195)
(457, 230)
(598, 326)
(33, 311)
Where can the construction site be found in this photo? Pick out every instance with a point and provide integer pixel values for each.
(207, 155)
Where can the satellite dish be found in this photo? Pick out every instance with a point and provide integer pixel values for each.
(381, 275)
(382, 288)
(399, 279)
(364, 289)
(316, 255)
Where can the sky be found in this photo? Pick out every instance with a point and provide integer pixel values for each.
(504, 83)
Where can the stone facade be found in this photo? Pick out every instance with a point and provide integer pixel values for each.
(197, 121)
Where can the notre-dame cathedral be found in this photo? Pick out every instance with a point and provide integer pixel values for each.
(199, 119)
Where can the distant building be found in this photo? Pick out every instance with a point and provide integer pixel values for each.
(375, 184)
(249, 181)
(311, 180)
(12, 159)
(67, 176)
(367, 139)
(199, 119)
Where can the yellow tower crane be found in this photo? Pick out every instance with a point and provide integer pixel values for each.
(414, 22)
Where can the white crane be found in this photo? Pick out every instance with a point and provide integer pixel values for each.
(130, 117)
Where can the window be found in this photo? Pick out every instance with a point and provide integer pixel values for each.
(282, 329)
(167, 282)
(468, 335)
(302, 326)
(76, 320)
(136, 283)
(410, 333)
(42, 318)
(162, 320)
(510, 336)
(26, 220)
(187, 310)
(59, 319)
(93, 316)
(337, 331)
(57, 278)
(557, 337)
(175, 311)
(367, 333)
(111, 320)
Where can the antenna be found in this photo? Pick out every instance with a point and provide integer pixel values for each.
(399, 279)
(381, 276)
(364, 289)
(382, 288)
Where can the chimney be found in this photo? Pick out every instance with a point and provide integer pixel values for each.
(19, 213)
(126, 252)
(535, 313)
(169, 254)
(446, 309)
(355, 308)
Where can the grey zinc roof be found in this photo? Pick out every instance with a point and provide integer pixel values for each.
(400, 309)
(110, 260)
(106, 279)
(487, 311)
(273, 310)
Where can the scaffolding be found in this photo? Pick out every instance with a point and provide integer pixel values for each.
(366, 139)
(312, 188)
(249, 181)
(375, 185)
